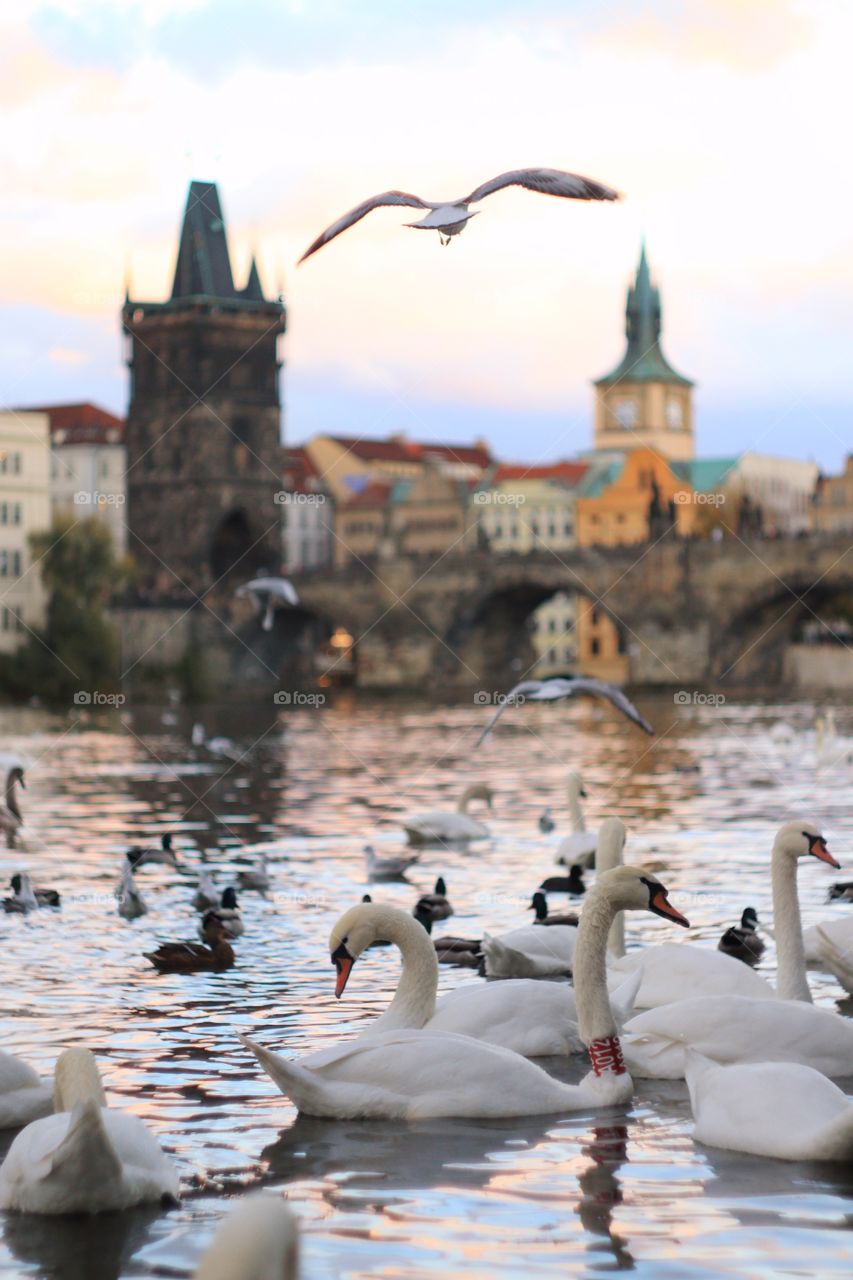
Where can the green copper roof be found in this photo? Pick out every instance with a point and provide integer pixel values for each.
(599, 477)
(643, 360)
(705, 474)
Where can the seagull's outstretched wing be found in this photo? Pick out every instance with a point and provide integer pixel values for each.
(356, 214)
(549, 690)
(551, 182)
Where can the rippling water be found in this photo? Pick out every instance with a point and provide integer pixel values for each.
(617, 1191)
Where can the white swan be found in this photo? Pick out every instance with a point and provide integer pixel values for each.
(734, 1028)
(578, 848)
(421, 1074)
(391, 868)
(259, 1240)
(23, 1094)
(11, 820)
(441, 827)
(85, 1158)
(532, 1018)
(131, 904)
(829, 946)
(24, 898)
(779, 1109)
(257, 877)
(530, 952)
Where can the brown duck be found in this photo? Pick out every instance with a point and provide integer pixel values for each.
(195, 957)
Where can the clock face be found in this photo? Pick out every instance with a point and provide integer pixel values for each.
(625, 412)
(674, 415)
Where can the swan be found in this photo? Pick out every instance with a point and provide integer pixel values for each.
(392, 868)
(780, 1109)
(448, 828)
(227, 912)
(24, 899)
(530, 952)
(206, 895)
(829, 946)
(579, 847)
(23, 1094)
(692, 971)
(258, 1240)
(412, 1075)
(434, 906)
(131, 904)
(742, 941)
(85, 1158)
(257, 877)
(11, 819)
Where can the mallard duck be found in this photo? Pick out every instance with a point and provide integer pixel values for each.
(227, 913)
(841, 892)
(464, 952)
(742, 941)
(131, 904)
(43, 897)
(539, 904)
(192, 957)
(11, 820)
(257, 877)
(86, 1158)
(138, 857)
(546, 822)
(434, 904)
(572, 884)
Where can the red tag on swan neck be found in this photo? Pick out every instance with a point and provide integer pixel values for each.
(606, 1055)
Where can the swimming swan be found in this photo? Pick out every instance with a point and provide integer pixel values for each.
(579, 847)
(23, 1094)
(440, 827)
(259, 1240)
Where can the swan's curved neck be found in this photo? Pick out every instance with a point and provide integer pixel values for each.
(595, 1017)
(469, 794)
(11, 797)
(608, 854)
(575, 811)
(791, 980)
(76, 1080)
(414, 1000)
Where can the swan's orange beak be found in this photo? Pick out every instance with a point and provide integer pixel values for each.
(660, 904)
(817, 847)
(343, 962)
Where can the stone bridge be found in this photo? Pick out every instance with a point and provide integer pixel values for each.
(692, 612)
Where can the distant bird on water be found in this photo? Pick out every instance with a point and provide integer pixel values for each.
(448, 217)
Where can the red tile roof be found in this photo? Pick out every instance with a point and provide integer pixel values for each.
(569, 473)
(475, 455)
(81, 423)
(375, 494)
(398, 449)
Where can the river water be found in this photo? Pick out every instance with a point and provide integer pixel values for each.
(587, 1194)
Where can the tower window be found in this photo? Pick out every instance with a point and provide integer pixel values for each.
(625, 413)
(674, 415)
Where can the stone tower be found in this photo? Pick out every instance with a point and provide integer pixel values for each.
(203, 425)
(644, 402)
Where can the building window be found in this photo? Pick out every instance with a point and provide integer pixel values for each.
(594, 615)
(621, 642)
(16, 564)
(625, 413)
(4, 564)
(594, 646)
(567, 529)
(674, 414)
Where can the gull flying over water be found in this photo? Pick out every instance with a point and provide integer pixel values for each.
(448, 217)
(275, 589)
(560, 687)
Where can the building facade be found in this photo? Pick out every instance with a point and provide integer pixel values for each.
(307, 515)
(24, 510)
(421, 517)
(832, 510)
(203, 424)
(643, 402)
(348, 464)
(87, 466)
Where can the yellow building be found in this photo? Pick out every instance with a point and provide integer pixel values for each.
(424, 516)
(348, 464)
(644, 402)
(833, 502)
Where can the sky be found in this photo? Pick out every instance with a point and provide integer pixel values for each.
(725, 123)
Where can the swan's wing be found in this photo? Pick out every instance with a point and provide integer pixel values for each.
(585, 686)
(360, 210)
(526, 689)
(551, 182)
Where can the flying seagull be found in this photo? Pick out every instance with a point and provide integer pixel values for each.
(549, 690)
(275, 589)
(448, 217)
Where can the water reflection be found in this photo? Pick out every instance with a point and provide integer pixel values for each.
(601, 1193)
(79, 1248)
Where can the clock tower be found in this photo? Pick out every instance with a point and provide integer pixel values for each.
(644, 403)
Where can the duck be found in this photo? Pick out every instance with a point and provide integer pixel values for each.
(738, 1107)
(578, 848)
(227, 913)
(572, 884)
(140, 857)
(539, 904)
(465, 953)
(256, 878)
(546, 822)
(192, 957)
(86, 1158)
(390, 868)
(24, 1096)
(258, 1240)
(829, 946)
(742, 941)
(24, 899)
(842, 891)
(11, 819)
(440, 827)
(435, 905)
(131, 904)
(404, 1074)
(44, 897)
(736, 1028)
(206, 895)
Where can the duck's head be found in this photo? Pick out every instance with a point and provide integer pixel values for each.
(229, 898)
(214, 930)
(802, 839)
(440, 887)
(16, 774)
(423, 915)
(749, 919)
(635, 889)
(539, 904)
